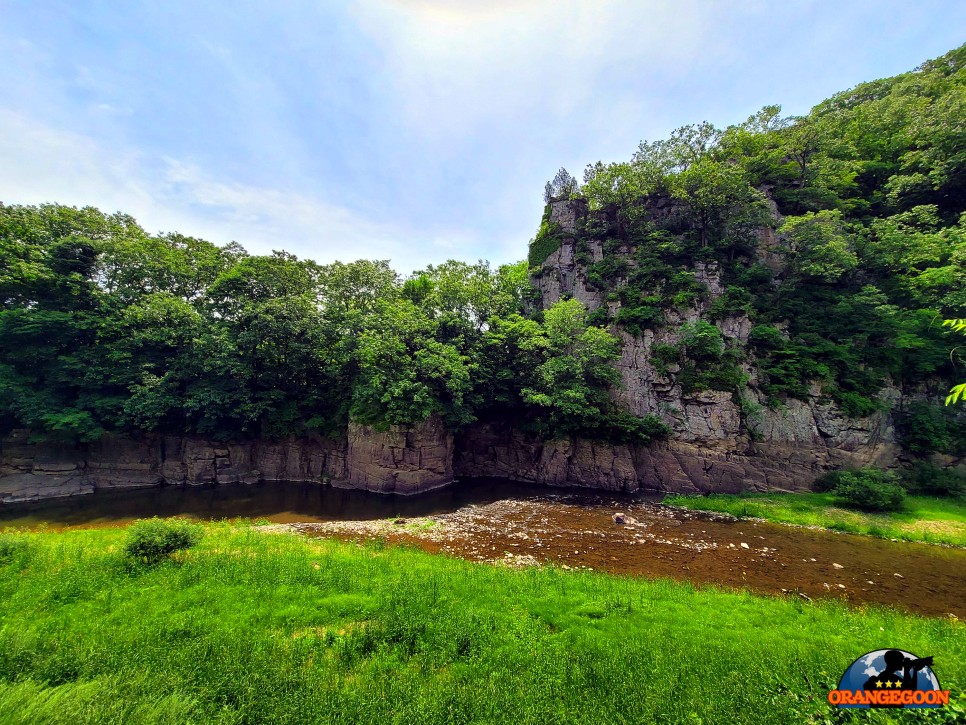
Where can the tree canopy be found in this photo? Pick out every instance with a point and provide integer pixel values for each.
(104, 327)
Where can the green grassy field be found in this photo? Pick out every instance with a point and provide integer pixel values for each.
(256, 627)
(923, 518)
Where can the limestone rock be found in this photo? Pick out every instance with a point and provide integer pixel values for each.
(402, 459)
(33, 487)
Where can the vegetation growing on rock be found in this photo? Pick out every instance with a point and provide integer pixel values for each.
(840, 235)
(106, 328)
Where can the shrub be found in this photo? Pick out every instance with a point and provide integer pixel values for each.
(869, 489)
(152, 540)
(702, 341)
(663, 355)
(735, 301)
(927, 428)
(722, 375)
(766, 337)
(855, 405)
(12, 547)
(828, 481)
(928, 478)
(607, 272)
(624, 427)
(598, 318)
(637, 319)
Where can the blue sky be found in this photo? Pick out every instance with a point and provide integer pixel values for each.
(409, 130)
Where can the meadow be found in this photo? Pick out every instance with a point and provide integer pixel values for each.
(256, 627)
(934, 520)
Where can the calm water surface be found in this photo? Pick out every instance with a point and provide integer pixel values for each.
(277, 502)
(491, 519)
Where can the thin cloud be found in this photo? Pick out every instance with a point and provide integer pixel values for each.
(413, 130)
(460, 66)
(43, 164)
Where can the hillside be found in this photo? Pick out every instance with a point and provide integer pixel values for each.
(783, 264)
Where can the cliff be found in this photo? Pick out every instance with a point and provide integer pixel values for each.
(399, 460)
(412, 459)
(752, 442)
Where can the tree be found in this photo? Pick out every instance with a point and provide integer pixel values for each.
(958, 391)
(820, 245)
(563, 186)
(406, 374)
(718, 196)
(572, 382)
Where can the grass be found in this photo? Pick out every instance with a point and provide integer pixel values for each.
(253, 627)
(923, 518)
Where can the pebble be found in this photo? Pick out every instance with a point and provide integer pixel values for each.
(837, 566)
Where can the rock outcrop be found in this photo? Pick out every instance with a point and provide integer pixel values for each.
(400, 460)
(404, 459)
(721, 441)
(500, 451)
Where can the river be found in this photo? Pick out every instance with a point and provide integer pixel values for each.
(520, 524)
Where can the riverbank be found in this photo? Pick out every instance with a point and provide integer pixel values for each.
(923, 518)
(654, 540)
(517, 524)
(255, 627)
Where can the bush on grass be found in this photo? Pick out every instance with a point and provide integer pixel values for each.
(931, 480)
(12, 547)
(869, 489)
(151, 541)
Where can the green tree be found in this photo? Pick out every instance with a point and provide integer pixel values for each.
(820, 245)
(958, 391)
(571, 383)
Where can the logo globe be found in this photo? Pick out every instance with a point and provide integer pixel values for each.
(890, 678)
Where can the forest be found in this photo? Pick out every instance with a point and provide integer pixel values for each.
(106, 328)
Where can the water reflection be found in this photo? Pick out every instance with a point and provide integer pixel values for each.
(277, 502)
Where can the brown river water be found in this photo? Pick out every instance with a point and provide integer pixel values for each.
(519, 525)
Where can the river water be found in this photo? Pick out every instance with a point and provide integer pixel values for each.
(488, 520)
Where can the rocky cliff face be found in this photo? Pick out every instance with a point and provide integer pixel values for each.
(404, 459)
(673, 466)
(400, 460)
(746, 443)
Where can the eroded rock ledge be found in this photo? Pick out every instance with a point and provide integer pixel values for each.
(406, 459)
(681, 466)
(412, 459)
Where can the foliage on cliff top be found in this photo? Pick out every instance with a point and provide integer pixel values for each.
(867, 198)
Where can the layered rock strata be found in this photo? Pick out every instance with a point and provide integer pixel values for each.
(406, 459)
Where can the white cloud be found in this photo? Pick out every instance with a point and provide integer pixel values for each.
(43, 164)
(460, 66)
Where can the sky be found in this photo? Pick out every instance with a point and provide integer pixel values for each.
(410, 130)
